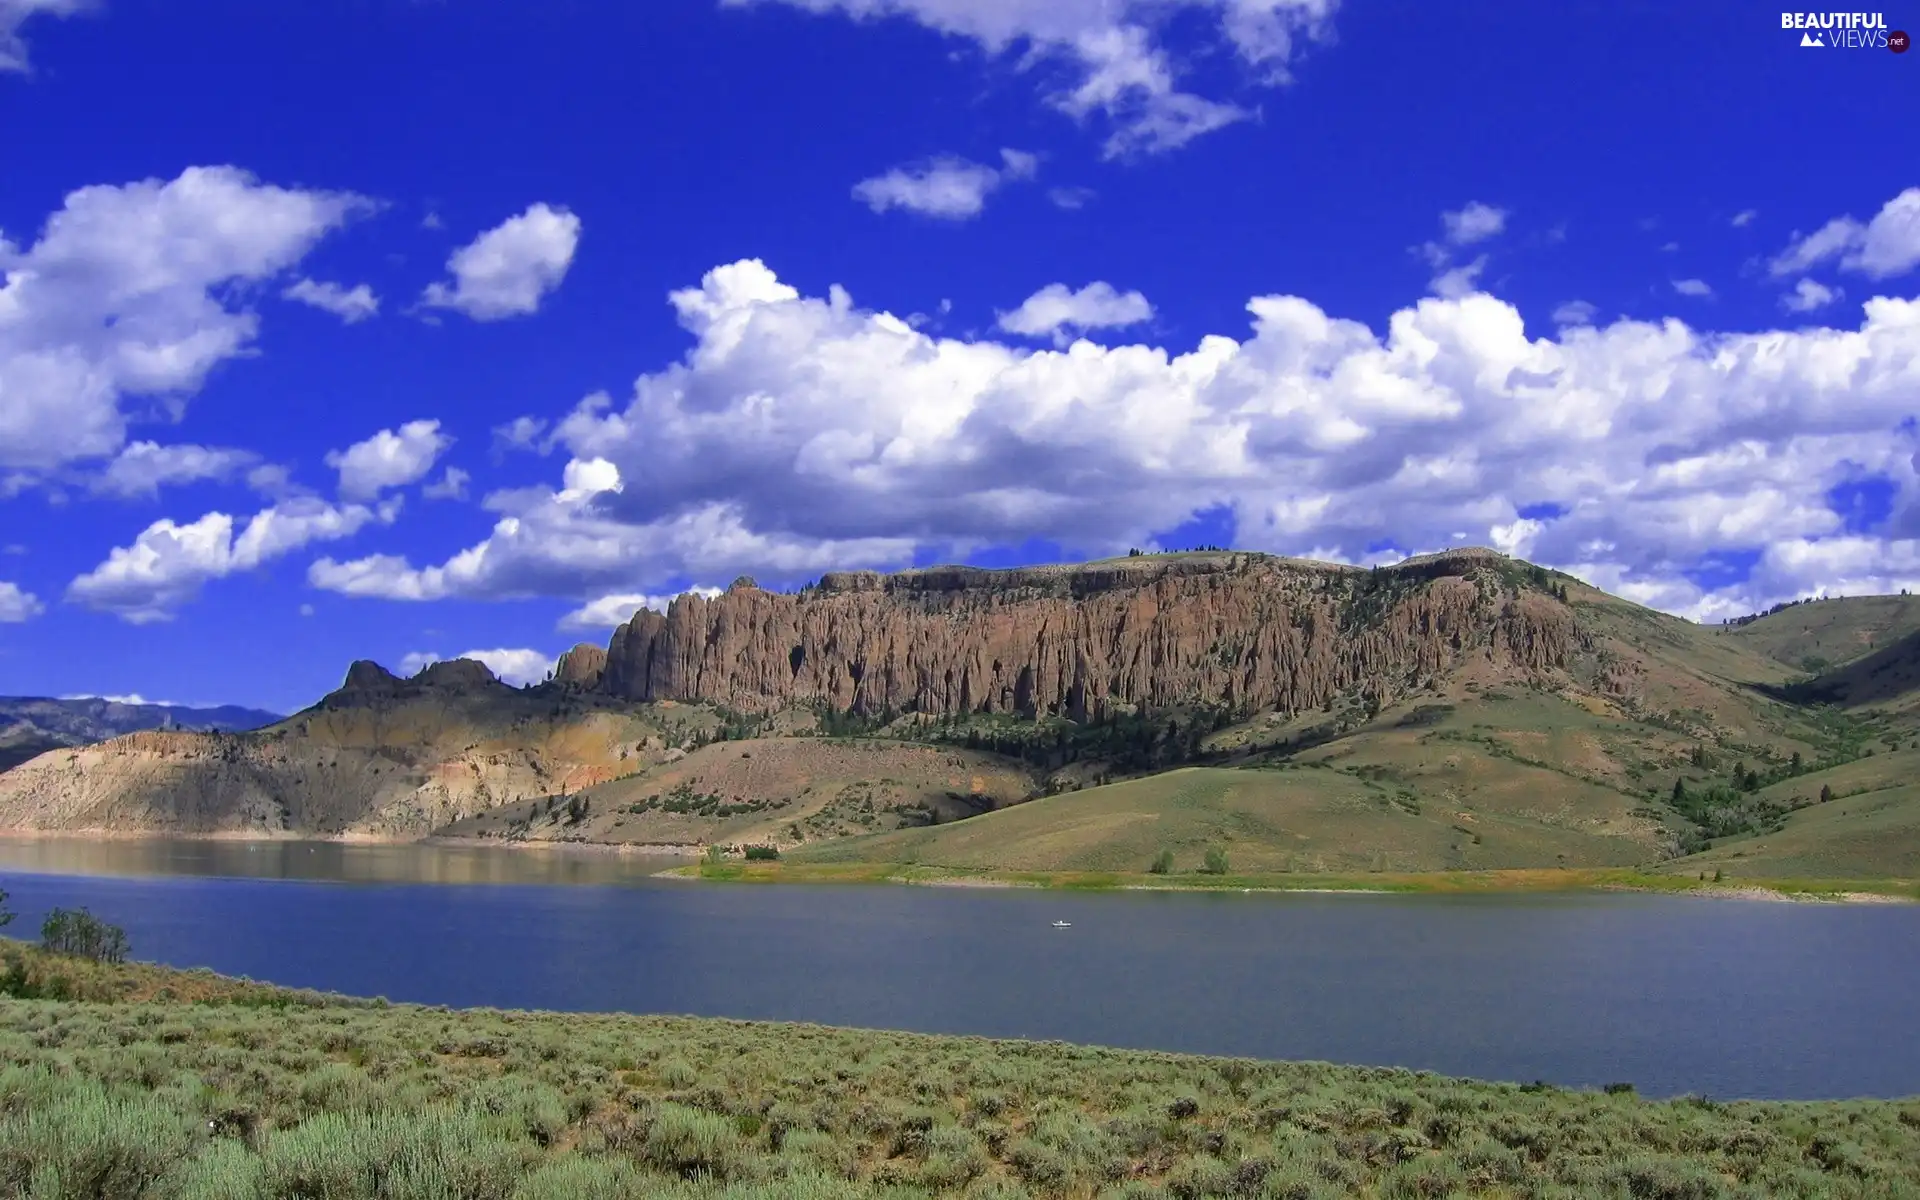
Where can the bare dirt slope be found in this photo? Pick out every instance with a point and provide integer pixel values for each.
(379, 758)
(770, 792)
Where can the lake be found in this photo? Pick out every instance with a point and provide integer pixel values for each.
(1725, 998)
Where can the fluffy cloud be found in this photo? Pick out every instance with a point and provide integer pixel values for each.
(388, 459)
(521, 433)
(1119, 68)
(606, 612)
(1575, 312)
(509, 269)
(168, 563)
(803, 433)
(17, 605)
(351, 305)
(1054, 310)
(126, 293)
(14, 14)
(1699, 289)
(1475, 222)
(1743, 218)
(1886, 246)
(952, 189)
(452, 486)
(143, 468)
(517, 667)
(1807, 296)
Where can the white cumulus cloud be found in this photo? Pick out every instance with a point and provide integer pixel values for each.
(949, 188)
(126, 294)
(1575, 312)
(141, 469)
(168, 563)
(388, 459)
(1807, 295)
(1698, 288)
(452, 486)
(351, 305)
(1055, 309)
(1468, 225)
(1476, 222)
(14, 14)
(508, 270)
(801, 434)
(17, 605)
(1886, 246)
(1118, 69)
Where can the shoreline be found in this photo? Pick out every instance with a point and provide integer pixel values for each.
(1455, 883)
(637, 849)
(691, 867)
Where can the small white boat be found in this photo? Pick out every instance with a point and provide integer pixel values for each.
(1063, 924)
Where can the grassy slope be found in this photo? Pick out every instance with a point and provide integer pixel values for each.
(1303, 819)
(348, 1101)
(1830, 632)
(1870, 829)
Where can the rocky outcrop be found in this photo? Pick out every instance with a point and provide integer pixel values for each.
(581, 667)
(369, 683)
(1243, 629)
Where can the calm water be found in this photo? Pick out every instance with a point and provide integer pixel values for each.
(1722, 997)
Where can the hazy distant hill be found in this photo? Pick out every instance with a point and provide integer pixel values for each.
(30, 725)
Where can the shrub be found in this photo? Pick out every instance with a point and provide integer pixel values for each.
(1162, 863)
(687, 1142)
(83, 935)
(1216, 862)
(762, 853)
(91, 1143)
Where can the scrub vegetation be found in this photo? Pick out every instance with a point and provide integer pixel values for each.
(155, 1083)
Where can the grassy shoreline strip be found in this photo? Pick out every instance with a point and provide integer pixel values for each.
(1433, 883)
(211, 1094)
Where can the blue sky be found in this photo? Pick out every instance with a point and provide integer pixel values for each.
(404, 329)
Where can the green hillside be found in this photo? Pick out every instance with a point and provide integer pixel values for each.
(1817, 635)
(1867, 828)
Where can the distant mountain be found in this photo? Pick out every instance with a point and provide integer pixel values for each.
(32, 725)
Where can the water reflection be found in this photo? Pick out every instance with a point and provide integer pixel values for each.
(338, 862)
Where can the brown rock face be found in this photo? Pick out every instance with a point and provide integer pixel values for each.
(370, 677)
(1244, 629)
(460, 673)
(581, 666)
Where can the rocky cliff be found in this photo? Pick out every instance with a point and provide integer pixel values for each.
(1280, 638)
(1248, 630)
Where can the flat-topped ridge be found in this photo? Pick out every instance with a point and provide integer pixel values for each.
(1130, 570)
